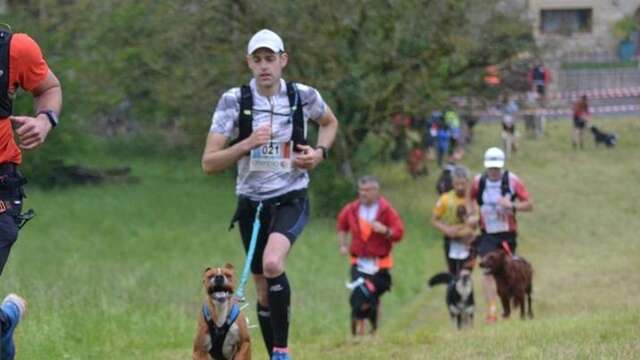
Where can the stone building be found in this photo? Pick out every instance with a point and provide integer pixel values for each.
(579, 26)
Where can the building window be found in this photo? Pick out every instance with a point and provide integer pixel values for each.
(566, 21)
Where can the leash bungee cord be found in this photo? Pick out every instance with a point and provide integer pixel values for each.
(249, 259)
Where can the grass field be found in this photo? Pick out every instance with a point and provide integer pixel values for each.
(114, 272)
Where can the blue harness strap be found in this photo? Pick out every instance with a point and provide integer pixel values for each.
(218, 334)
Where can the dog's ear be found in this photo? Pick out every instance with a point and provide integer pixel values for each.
(207, 269)
(229, 266)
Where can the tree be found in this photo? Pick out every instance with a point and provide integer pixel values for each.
(171, 60)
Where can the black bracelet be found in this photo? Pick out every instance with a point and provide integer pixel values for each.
(51, 116)
(324, 151)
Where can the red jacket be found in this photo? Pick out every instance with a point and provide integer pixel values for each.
(378, 245)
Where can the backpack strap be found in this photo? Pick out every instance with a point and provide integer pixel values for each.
(245, 119)
(481, 185)
(219, 334)
(6, 104)
(505, 189)
(299, 132)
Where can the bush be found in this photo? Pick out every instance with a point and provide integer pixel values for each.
(329, 190)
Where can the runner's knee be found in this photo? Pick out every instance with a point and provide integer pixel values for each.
(272, 266)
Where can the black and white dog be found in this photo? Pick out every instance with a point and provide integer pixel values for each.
(459, 298)
(601, 137)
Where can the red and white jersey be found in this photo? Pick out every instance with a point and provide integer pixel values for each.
(493, 217)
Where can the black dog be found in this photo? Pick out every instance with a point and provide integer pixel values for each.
(366, 290)
(604, 138)
(364, 305)
(459, 298)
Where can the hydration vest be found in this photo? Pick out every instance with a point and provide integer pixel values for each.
(504, 187)
(6, 103)
(245, 126)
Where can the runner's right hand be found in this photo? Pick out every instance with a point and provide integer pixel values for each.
(260, 136)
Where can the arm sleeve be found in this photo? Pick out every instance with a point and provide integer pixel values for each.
(313, 105)
(547, 76)
(396, 225)
(225, 117)
(521, 190)
(343, 221)
(31, 68)
(441, 207)
(473, 193)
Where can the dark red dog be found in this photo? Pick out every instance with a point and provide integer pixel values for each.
(514, 277)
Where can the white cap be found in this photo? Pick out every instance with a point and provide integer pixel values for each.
(494, 158)
(265, 38)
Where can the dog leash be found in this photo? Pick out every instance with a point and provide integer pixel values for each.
(247, 262)
(507, 248)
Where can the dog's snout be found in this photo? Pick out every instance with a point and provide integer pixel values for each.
(218, 280)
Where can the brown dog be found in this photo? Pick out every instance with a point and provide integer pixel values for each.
(513, 276)
(222, 333)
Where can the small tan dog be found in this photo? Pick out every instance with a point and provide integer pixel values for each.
(222, 333)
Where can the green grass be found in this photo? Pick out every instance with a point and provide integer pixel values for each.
(113, 272)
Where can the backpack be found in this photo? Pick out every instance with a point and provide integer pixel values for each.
(504, 187)
(6, 103)
(245, 125)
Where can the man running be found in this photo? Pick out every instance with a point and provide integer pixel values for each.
(266, 122)
(497, 195)
(21, 65)
(373, 226)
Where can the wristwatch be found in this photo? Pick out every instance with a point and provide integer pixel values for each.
(51, 115)
(324, 151)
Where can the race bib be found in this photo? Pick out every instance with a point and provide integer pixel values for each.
(367, 265)
(273, 156)
(495, 221)
(458, 250)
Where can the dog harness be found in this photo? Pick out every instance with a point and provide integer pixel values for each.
(218, 334)
(5, 99)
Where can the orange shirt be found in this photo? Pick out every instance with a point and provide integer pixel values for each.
(27, 69)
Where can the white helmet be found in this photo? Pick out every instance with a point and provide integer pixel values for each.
(494, 158)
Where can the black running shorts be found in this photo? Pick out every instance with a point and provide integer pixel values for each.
(486, 243)
(286, 214)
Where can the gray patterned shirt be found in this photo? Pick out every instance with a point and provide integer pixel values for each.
(275, 110)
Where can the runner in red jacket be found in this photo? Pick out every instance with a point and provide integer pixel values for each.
(374, 226)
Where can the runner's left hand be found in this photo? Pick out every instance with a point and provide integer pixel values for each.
(307, 157)
(505, 202)
(32, 131)
(379, 227)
